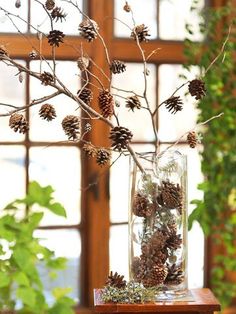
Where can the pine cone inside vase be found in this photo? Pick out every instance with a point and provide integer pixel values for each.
(155, 276)
(115, 280)
(47, 112)
(133, 102)
(17, 122)
(58, 14)
(117, 67)
(55, 38)
(174, 241)
(140, 32)
(175, 275)
(103, 156)
(88, 29)
(197, 89)
(49, 4)
(90, 150)
(141, 206)
(120, 137)
(170, 196)
(86, 95)
(106, 103)
(71, 127)
(174, 104)
(46, 78)
(192, 139)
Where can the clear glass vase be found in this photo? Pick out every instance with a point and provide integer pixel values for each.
(158, 224)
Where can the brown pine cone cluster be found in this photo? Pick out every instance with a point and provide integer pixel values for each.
(120, 137)
(18, 123)
(140, 33)
(133, 102)
(47, 112)
(71, 127)
(170, 196)
(115, 280)
(88, 29)
(55, 38)
(106, 103)
(192, 139)
(174, 104)
(197, 89)
(49, 4)
(86, 95)
(141, 206)
(46, 78)
(117, 67)
(58, 14)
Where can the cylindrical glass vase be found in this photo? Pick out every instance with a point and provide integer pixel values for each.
(158, 224)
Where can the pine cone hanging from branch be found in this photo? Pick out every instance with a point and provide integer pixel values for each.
(103, 156)
(197, 89)
(88, 29)
(141, 33)
(55, 37)
(117, 67)
(174, 104)
(46, 78)
(50, 4)
(86, 95)
(106, 103)
(120, 137)
(17, 122)
(71, 127)
(90, 150)
(116, 280)
(47, 112)
(133, 102)
(58, 14)
(192, 139)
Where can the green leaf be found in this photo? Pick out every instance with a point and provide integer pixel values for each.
(58, 292)
(27, 295)
(57, 263)
(21, 279)
(4, 279)
(57, 209)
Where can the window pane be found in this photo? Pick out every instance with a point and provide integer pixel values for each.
(173, 16)
(52, 130)
(12, 93)
(59, 167)
(5, 23)
(145, 12)
(172, 126)
(119, 250)
(65, 243)
(12, 173)
(68, 26)
(133, 80)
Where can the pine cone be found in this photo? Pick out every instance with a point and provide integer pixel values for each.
(46, 78)
(33, 54)
(174, 104)
(133, 102)
(83, 63)
(155, 276)
(55, 37)
(175, 275)
(117, 67)
(135, 267)
(116, 280)
(47, 112)
(90, 150)
(140, 32)
(58, 14)
(103, 156)
(174, 241)
(126, 7)
(192, 139)
(85, 95)
(17, 122)
(3, 51)
(88, 29)
(71, 127)
(158, 240)
(120, 137)
(141, 206)
(170, 196)
(106, 103)
(197, 89)
(49, 4)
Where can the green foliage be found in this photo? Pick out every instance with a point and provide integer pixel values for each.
(21, 252)
(216, 212)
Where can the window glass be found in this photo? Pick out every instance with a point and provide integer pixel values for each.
(133, 80)
(69, 25)
(59, 167)
(67, 72)
(145, 12)
(12, 93)
(6, 26)
(65, 243)
(173, 16)
(172, 126)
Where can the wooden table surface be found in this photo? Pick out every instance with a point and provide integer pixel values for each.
(204, 302)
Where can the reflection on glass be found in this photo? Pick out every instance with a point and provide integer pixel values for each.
(12, 173)
(69, 25)
(171, 126)
(10, 83)
(65, 243)
(196, 237)
(119, 250)
(59, 167)
(67, 72)
(145, 12)
(6, 26)
(173, 16)
(133, 80)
